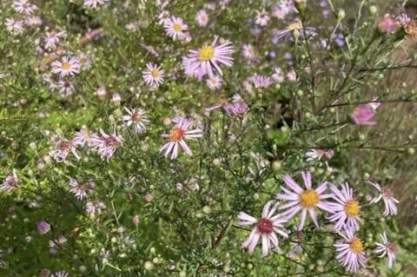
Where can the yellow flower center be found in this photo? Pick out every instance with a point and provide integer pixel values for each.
(177, 27)
(176, 134)
(66, 66)
(297, 25)
(308, 198)
(155, 73)
(356, 245)
(352, 208)
(206, 53)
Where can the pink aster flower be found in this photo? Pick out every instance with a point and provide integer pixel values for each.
(283, 8)
(153, 75)
(387, 24)
(137, 119)
(10, 182)
(94, 4)
(306, 200)
(214, 82)
(13, 26)
(318, 154)
(106, 144)
(364, 115)
(51, 39)
(207, 59)
(94, 207)
(43, 227)
(236, 107)
(81, 189)
(260, 81)
(24, 7)
(262, 18)
(386, 248)
(387, 196)
(177, 137)
(67, 66)
(176, 28)
(83, 137)
(346, 209)
(350, 252)
(65, 88)
(62, 148)
(264, 229)
(294, 29)
(202, 18)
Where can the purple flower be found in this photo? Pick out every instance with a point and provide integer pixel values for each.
(350, 251)
(43, 227)
(364, 115)
(106, 144)
(387, 24)
(386, 248)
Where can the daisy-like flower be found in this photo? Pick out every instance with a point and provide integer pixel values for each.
(207, 59)
(67, 66)
(249, 52)
(13, 26)
(176, 28)
(94, 207)
(94, 4)
(260, 81)
(387, 196)
(24, 7)
(364, 114)
(319, 154)
(283, 8)
(60, 274)
(51, 39)
(262, 18)
(306, 200)
(386, 248)
(264, 229)
(350, 251)
(236, 107)
(214, 82)
(293, 29)
(10, 182)
(106, 144)
(80, 190)
(153, 75)
(177, 137)
(33, 21)
(65, 87)
(346, 209)
(137, 119)
(83, 137)
(202, 18)
(62, 148)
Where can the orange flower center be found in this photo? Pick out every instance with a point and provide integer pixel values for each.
(308, 198)
(352, 208)
(176, 134)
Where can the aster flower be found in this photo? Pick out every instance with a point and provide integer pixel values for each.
(62, 148)
(214, 82)
(236, 107)
(65, 88)
(386, 248)
(60, 274)
(106, 144)
(13, 26)
(262, 18)
(94, 207)
(80, 190)
(387, 24)
(10, 182)
(94, 4)
(260, 81)
(249, 52)
(264, 229)
(364, 114)
(201, 18)
(137, 119)
(24, 7)
(295, 29)
(153, 75)
(387, 196)
(350, 252)
(207, 59)
(67, 66)
(51, 39)
(43, 227)
(33, 21)
(177, 137)
(175, 27)
(318, 154)
(306, 200)
(346, 209)
(82, 137)
(283, 8)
